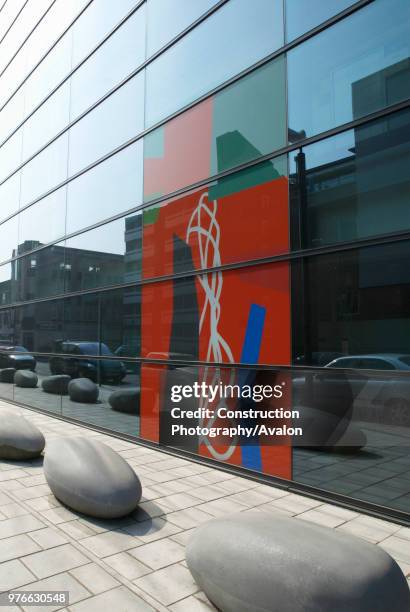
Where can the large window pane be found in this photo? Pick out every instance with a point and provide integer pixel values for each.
(45, 171)
(107, 255)
(116, 120)
(240, 123)
(103, 413)
(204, 228)
(232, 39)
(6, 287)
(55, 66)
(33, 232)
(81, 322)
(39, 326)
(356, 304)
(8, 238)
(38, 275)
(239, 390)
(36, 397)
(10, 196)
(301, 17)
(108, 189)
(11, 115)
(97, 21)
(354, 185)
(167, 18)
(356, 433)
(226, 316)
(121, 322)
(117, 57)
(331, 81)
(15, 37)
(10, 155)
(46, 122)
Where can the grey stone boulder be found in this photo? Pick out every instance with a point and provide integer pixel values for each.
(25, 378)
(57, 384)
(90, 477)
(126, 400)
(7, 375)
(19, 439)
(83, 390)
(266, 563)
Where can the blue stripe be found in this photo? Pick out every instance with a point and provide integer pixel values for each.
(251, 456)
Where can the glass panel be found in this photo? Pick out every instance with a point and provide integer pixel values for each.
(356, 184)
(179, 409)
(117, 408)
(55, 65)
(107, 255)
(52, 70)
(204, 228)
(359, 447)
(113, 122)
(8, 238)
(37, 397)
(242, 122)
(203, 318)
(39, 326)
(115, 60)
(28, 18)
(6, 296)
(97, 21)
(81, 323)
(10, 155)
(331, 82)
(33, 232)
(356, 304)
(108, 189)
(9, 13)
(47, 121)
(300, 18)
(38, 275)
(233, 38)
(121, 322)
(45, 171)
(11, 77)
(167, 18)
(10, 196)
(11, 115)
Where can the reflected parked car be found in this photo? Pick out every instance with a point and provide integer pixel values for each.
(16, 357)
(390, 395)
(318, 358)
(76, 362)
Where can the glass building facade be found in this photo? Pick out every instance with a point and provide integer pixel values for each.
(215, 192)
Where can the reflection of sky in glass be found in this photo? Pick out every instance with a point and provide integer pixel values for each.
(166, 19)
(302, 16)
(323, 70)
(109, 238)
(233, 38)
(327, 151)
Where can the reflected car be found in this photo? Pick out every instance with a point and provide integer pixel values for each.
(17, 357)
(391, 396)
(76, 362)
(318, 358)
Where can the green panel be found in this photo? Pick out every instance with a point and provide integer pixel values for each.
(245, 179)
(150, 215)
(249, 117)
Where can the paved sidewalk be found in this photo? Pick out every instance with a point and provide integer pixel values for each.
(137, 563)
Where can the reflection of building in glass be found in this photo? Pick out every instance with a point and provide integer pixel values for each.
(116, 227)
